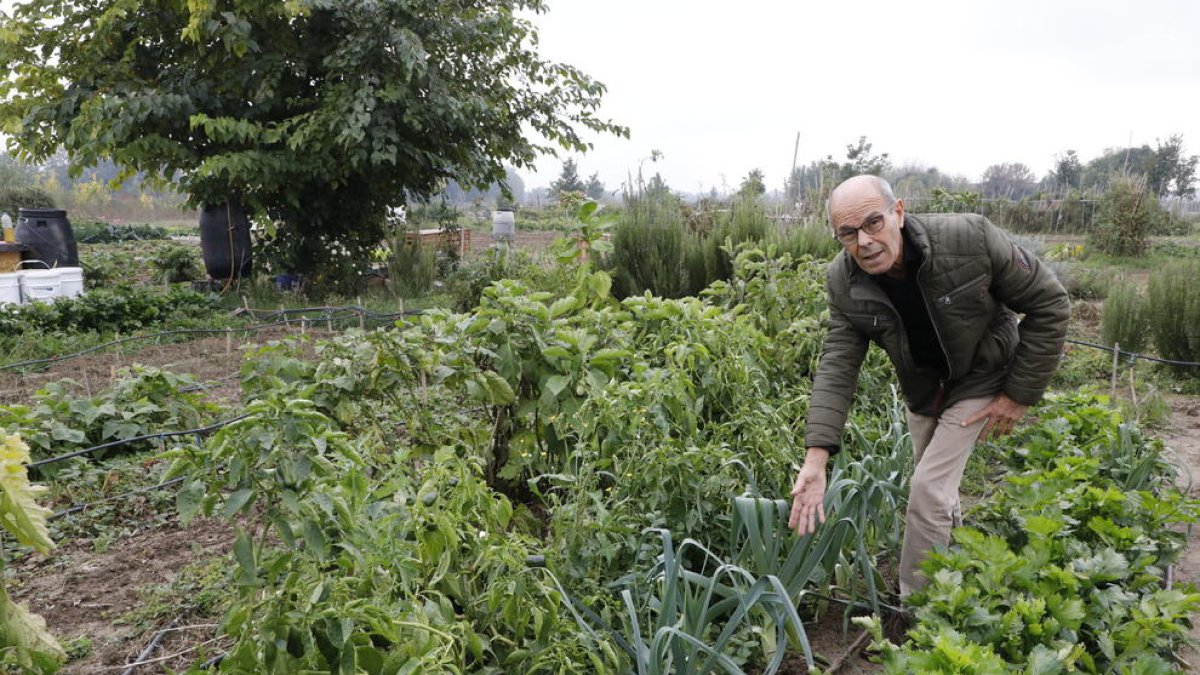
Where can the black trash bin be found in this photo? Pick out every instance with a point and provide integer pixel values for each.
(225, 242)
(49, 234)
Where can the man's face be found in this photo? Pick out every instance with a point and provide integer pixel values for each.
(855, 215)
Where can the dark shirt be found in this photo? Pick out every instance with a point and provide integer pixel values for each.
(905, 295)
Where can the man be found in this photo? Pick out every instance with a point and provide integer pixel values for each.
(938, 293)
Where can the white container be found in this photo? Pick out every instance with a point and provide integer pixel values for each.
(40, 285)
(10, 288)
(72, 282)
(503, 225)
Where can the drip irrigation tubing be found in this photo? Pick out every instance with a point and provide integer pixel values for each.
(113, 444)
(355, 309)
(76, 508)
(1134, 356)
(145, 654)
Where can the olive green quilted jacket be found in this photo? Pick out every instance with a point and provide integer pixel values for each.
(975, 281)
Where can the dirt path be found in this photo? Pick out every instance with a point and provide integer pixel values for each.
(1183, 437)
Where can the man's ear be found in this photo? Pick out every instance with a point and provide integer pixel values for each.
(900, 211)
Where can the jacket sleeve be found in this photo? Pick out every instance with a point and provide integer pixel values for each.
(1026, 286)
(835, 382)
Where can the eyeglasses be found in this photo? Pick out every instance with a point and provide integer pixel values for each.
(849, 235)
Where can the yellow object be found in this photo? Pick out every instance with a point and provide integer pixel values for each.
(10, 235)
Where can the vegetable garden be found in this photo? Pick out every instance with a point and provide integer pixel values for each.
(558, 481)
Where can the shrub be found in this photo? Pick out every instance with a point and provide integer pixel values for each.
(466, 284)
(1124, 321)
(1173, 310)
(411, 267)
(1128, 215)
(650, 248)
(175, 263)
(1083, 283)
(16, 197)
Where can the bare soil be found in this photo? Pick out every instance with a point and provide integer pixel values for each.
(85, 594)
(213, 361)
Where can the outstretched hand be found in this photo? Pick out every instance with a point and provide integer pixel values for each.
(1002, 415)
(808, 494)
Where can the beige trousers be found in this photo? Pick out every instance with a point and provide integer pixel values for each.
(941, 447)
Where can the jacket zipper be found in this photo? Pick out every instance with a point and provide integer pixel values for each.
(941, 390)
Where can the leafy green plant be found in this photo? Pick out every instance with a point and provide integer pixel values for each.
(123, 308)
(146, 400)
(99, 232)
(1064, 571)
(175, 263)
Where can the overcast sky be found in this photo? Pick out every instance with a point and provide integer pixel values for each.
(722, 87)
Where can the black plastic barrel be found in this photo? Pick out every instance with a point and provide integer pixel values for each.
(49, 234)
(225, 241)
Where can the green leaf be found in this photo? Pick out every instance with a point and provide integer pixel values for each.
(237, 501)
(189, 499)
(555, 384)
(243, 552)
(314, 537)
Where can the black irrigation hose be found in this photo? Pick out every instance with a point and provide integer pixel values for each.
(175, 481)
(113, 444)
(1133, 356)
(81, 507)
(149, 648)
(201, 386)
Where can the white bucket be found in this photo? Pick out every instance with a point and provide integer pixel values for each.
(40, 285)
(72, 282)
(10, 288)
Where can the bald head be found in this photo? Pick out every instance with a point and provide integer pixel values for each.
(856, 189)
(867, 219)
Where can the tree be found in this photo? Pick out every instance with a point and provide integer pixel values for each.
(1172, 173)
(1068, 170)
(595, 188)
(859, 160)
(753, 184)
(1009, 181)
(316, 115)
(568, 179)
(1099, 172)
